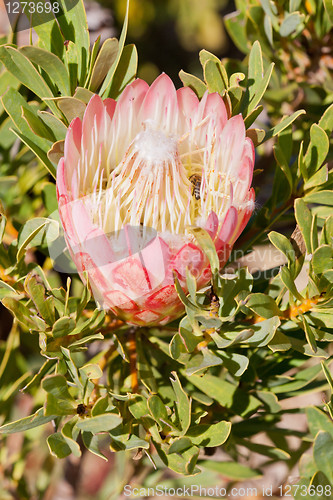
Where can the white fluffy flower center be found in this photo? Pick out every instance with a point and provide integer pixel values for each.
(154, 146)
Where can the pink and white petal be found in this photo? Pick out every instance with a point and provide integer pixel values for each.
(63, 193)
(115, 298)
(155, 258)
(231, 145)
(145, 318)
(110, 106)
(130, 275)
(188, 256)
(215, 107)
(212, 224)
(72, 147)
(126, 122)
(163, 299)
(93, 125)
(160, 104)
(245, 215)
(188, 103)
(228, 228)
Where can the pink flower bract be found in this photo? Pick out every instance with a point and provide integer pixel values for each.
(136, 175)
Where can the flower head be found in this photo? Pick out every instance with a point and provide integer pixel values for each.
(136, 175)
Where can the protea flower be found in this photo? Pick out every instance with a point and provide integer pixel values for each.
(136, 175)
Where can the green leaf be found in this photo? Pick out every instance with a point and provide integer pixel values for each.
(51, 64)
(256, 135)
(62, 327)
(268, 29)
(91, 442)
(317, 149)
(317, 179)
(226, 394)
(259, 88)
(13, 103)
(263, 332)
(193, 82)
(328, 375)
(209, 435)
(235, 24)
(24, 70)
(283, 164)
(157, 409)
(309, 334)
(288, 280)
(59, 401)
(181, 463)
(144, 368)
(329, 9)
(52, 122)
(326, 121)
(58, 445)
(230, 470)
(36, 125)
(318, 421)
(105, 89)
(263, 305)
(207, 246)
(183, 404)
(125, 72)
(33, 233)
(70, 107)
(74, 27)
(323, 453)
(290, 23)
(106, 57)
(49, 35)
(268, 451)
(304, 220)
(20, 311)
(44, 306)
(270, 400)
(322, 259)
(284, 123)
(324, 197)
(206, 56)
(213, 77)
(180, 444)
(235, 363)
(283, 244)
(299, 381)
(40, 153)
(100, 423)
(27, 423)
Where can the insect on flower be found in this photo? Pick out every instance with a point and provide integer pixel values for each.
(196, 181)
(136, 175)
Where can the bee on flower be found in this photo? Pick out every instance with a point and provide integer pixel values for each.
(127, 196)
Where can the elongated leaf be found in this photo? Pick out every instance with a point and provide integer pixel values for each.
(106, 57)
(291, 23)
(193, 82)
(317, 150)
(263, 305)
(125, 72)
(51, 64)
(74, 26)
(209, 434)
(304, 220)
(25, 71)
(105, 89)
(284, 123)
(100, 423)
(183, 404)
(27, 423)
(231, 470)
